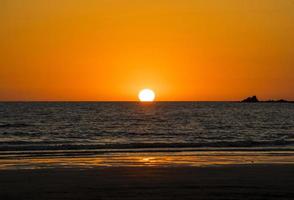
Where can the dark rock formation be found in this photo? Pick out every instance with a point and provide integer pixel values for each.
(282, 101)
(252, 99)
(278, 101)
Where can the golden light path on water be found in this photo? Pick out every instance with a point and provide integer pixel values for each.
(177, 159)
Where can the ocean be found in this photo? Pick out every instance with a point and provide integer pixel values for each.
(110, 126)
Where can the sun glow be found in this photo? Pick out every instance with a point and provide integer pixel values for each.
(146, 95)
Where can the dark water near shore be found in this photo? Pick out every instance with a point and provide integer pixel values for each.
(167, 125)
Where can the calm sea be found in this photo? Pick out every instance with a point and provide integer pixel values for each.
(130, 126)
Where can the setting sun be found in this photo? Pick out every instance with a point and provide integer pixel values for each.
(146, 95)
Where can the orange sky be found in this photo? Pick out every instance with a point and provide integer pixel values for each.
(110, 49)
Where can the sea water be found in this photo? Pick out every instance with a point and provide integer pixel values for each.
(132, 125)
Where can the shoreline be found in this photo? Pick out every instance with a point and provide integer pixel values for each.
(143, 159)
(205, 175)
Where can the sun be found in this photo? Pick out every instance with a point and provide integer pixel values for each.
(146, 95)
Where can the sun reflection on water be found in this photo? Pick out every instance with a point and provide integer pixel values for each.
(148, 159)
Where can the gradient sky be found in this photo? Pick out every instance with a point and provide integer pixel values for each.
(110, 49)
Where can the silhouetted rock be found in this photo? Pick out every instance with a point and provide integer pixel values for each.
(282, 101)
(252, 99)
(278, 101)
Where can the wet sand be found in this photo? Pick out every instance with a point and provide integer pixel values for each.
(271, 181)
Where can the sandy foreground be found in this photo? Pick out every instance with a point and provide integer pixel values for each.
(255, 181)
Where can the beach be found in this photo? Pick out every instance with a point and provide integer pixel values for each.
(257, 181)
(147, 175)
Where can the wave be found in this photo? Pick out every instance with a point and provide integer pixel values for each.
(15, 125)
(50, 145)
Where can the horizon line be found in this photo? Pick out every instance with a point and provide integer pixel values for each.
(131, 101)
(121, 101)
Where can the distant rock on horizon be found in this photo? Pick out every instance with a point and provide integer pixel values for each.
(278, 101)
(252, 99)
